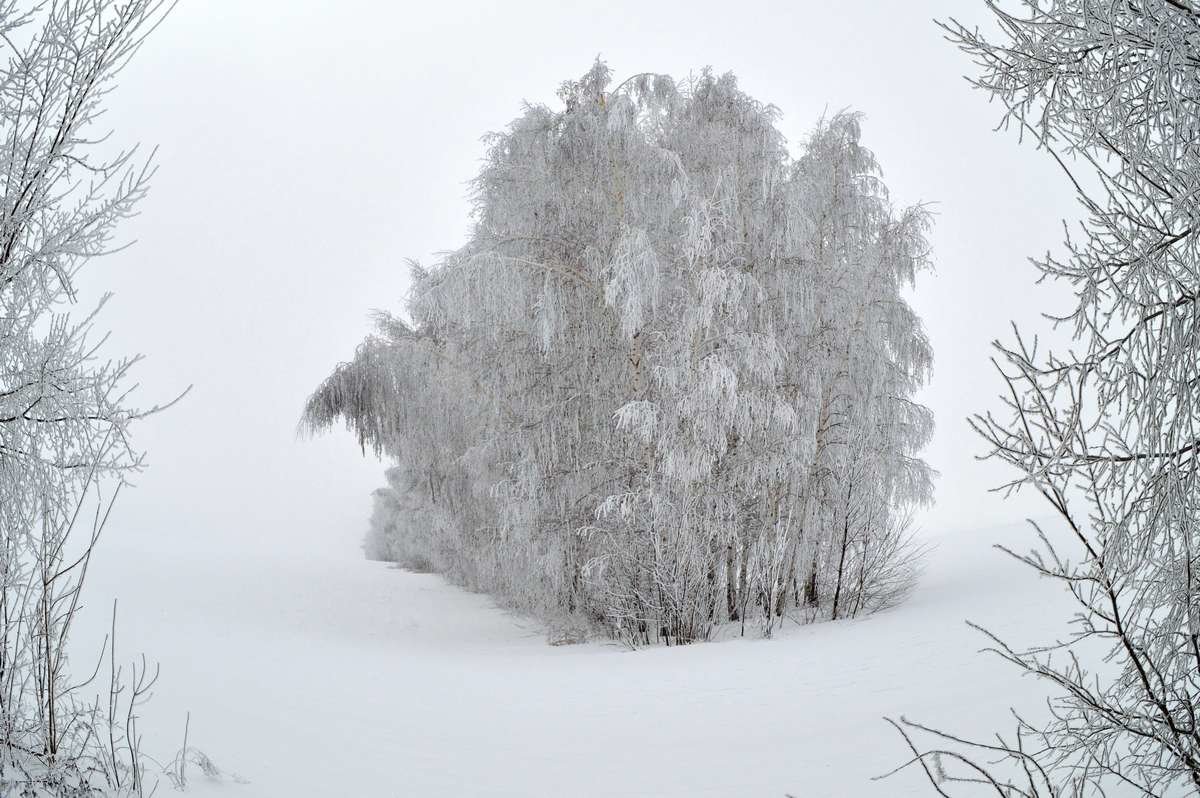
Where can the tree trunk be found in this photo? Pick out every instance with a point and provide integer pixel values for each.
(812, 597)
(837, 590)
(731, 577)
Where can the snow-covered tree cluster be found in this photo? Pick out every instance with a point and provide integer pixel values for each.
(668, 382)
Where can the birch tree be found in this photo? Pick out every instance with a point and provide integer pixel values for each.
(1107, 432)
(629, 392)
(64, 413)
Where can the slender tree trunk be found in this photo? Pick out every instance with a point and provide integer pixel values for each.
(781, 594)
(837, 590)
(731, 588)
(812, 595)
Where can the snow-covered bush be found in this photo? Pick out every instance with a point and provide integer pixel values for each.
(668, 382)
(405, 523)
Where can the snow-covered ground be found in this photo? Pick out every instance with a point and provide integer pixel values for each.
(333, 676)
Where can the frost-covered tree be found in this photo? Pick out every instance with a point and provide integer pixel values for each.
(64, 418)
(668, 381)
(1109, 431)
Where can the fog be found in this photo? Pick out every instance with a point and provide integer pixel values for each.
(306, 148)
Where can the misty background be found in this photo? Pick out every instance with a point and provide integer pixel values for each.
(306, 148)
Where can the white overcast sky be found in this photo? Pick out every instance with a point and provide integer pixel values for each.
(306, 147)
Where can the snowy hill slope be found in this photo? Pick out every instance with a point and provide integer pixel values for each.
(334, 676)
